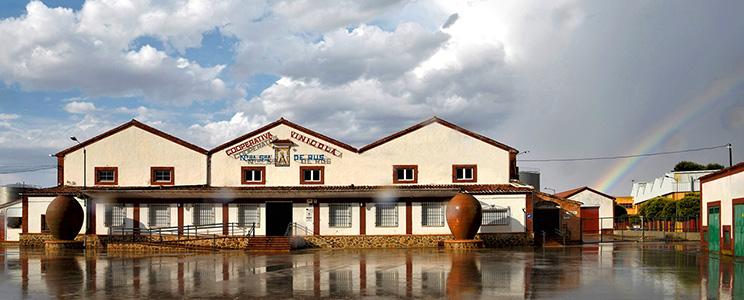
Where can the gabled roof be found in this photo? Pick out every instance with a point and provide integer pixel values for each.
(126, 125)
(442, 122)
(575, 191)
(283, 121)
(723, 172)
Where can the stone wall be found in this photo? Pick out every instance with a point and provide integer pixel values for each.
(491, 240)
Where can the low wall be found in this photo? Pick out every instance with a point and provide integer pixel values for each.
(657, 235)
(491, 240)
(147, 242)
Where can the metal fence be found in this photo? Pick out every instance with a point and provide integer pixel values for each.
(638, 228)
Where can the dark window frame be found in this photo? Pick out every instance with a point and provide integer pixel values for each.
(113, 169)
(309, 168)
(153, 177)
(455, 178)
(243, 178)
(404, 181)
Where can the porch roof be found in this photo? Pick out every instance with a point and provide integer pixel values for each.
(281, 192)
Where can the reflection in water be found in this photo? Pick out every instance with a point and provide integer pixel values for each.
(582, 272)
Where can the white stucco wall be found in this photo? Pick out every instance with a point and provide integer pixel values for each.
(325, 229)
(516, 204)
(134, 151)
(434, 148)
(592, 199)
(417, 219)
(372, 229)
(723, 189)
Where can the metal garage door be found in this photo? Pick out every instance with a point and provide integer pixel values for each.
(590, 220)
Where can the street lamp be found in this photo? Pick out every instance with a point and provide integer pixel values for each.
(552, 189)
(85, 199)
(676, 186)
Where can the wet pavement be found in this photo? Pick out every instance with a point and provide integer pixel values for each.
(605, 271)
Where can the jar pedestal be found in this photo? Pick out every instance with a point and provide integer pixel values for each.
(463, 244)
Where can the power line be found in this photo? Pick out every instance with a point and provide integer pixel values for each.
(623, 156)
(23, 169)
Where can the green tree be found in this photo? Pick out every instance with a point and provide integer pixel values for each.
(714, 166)
(669, 211)
(652, 208)
(693, 166)
(620, 211)
(689, 206)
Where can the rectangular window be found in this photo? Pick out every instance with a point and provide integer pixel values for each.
(495, 216)
(159, 215)
(203, 214)
(14, 222)
(312, 175)
(464, 173)
(253, 175)
(249, 214)
(432, 214)
(405, 174)
(339, 215)
(162, 175)
(44, 227)
(386, 215)
(106, 175)
(114, 215)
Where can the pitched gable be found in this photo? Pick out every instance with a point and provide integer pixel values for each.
(442, 122)
(122, 127)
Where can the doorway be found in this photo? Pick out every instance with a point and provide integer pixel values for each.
(590, 220)
(714, 229)
(546, 218)
(278, 217)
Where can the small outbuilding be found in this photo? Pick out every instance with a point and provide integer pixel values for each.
(597, 209)
(722, 210)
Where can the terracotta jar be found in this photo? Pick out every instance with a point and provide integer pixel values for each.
(464, 216)
(64, 216)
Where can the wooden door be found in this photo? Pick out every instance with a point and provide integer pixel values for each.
(714, 229)
(739, 230)
(590, 220)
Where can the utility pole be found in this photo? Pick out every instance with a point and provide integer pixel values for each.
(731, 160)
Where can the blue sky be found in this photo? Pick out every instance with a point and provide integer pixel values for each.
(563, 79)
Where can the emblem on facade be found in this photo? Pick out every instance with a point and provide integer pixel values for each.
(282, 157)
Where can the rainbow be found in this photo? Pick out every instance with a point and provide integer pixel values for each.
(669, 126)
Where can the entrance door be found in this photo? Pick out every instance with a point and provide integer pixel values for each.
(547, 220)
(590, 220)
(714, 229)
(739, 230)
(278, 217)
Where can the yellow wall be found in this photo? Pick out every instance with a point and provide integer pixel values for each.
(626, 201)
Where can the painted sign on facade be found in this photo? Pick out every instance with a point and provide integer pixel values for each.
(251, 145)
(312, 159)
(314, 143)
(257, 159)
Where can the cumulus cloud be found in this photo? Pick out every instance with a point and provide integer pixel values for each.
(61, 49)
(76, 107)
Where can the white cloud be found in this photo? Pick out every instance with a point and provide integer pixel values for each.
(76, 107)
(8, 117)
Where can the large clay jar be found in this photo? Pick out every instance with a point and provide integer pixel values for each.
(64, 216)
(464, 216)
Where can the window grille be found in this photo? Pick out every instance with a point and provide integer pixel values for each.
(249, 214)
(432, 214)
(495, 216)
(105, 175)
(386, 215)
(159, 215)
(339, 215)
(203, 214)
(114, 215)
(162, 175)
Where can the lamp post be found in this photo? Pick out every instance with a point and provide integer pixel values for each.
(85, 199)
(676, 186)
(552, 189)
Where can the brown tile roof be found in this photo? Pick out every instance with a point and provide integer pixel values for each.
(571, 192)
(723, 172)
(472, 188)
(549, 197)
(126, 125)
